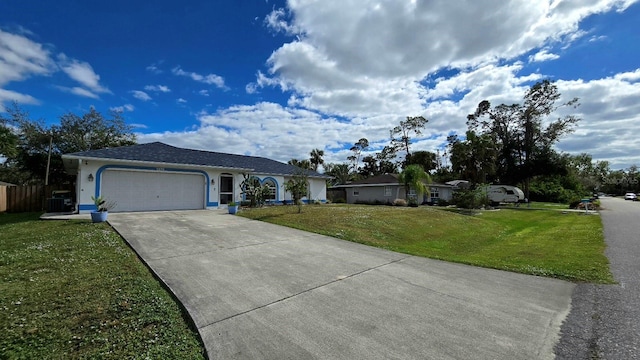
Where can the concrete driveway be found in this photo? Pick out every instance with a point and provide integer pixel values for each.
(262, 291)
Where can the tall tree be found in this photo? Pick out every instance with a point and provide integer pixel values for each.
(401, 134)
(75, 133)
(473, 158)
(414, 177)
(316, 158)
(357, 149)
(378, 163)
(426, 159)
(91, 131)
(518, 129)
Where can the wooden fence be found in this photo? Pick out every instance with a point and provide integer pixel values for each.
(29, 198)
(3, 198)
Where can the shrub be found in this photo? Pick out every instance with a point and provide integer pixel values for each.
(399, 202)
(470, 198)
(442, 202)
(340, 201)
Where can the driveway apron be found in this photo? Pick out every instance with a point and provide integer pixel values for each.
(260, 291)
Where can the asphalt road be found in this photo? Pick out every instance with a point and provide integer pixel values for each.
(604, 322)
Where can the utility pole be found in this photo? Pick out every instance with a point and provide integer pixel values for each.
(46, 176)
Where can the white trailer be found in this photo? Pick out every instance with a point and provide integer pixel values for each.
(504, 194)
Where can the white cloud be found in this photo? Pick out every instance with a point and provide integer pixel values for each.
(83, 73)
(348, 45)
(211, 79)
(140, 95)
(153, 68)
(181, 100)
(157, 88)
(204, 92)
(138, 126)
(543, 55)
(263, 129)
(21, 58)
(9, 96)
(123, 108)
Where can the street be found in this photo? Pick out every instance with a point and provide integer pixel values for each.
(604, 322)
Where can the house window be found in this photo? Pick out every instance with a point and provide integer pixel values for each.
(435, 195)
(356, 192)
(272, 190)
(387, 191)
(412, 194)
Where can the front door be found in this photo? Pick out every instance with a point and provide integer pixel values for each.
(226, 189)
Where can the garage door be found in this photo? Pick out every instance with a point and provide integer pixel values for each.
(147, 191)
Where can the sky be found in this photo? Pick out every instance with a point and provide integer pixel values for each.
(280, 78)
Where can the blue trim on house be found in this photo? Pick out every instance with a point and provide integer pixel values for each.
(152, 169)
(87, 207)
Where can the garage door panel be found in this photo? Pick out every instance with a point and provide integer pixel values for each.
(147, 191)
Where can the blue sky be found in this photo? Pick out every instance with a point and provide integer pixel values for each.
(278, 79)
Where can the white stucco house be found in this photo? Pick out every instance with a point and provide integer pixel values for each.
(386, 188)
(157, 176)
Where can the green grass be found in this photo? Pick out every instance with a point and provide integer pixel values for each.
(73, 289)
(540, 242)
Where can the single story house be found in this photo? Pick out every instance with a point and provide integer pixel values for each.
(386, 188)
(157, 176)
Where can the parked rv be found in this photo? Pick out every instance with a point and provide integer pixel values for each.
(504, 194)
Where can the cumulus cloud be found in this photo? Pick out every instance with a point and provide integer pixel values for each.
(21, 58)
(264, 129)
(543, 55)
(123, 108)
(157, 88)
(211, 79)
(345, 46)
(140, 95)
(376, 62)
(83, 73)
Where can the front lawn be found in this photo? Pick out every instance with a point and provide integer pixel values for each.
(540, 242)
(73, 289)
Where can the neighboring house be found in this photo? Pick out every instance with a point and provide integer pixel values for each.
(158, 176)
(386, 188)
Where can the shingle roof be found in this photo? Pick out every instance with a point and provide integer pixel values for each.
(158, 152)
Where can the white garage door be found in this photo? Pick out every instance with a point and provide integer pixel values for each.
(146, 191)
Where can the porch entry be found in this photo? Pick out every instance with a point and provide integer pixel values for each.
(226, 189)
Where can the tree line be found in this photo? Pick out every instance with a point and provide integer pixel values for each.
(29, 147)
(504, 144)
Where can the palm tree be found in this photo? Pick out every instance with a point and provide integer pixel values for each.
(316, 158)
(302, 164)
(414, 177)
(341, 173)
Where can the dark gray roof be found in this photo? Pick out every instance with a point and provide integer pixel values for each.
(158, 152)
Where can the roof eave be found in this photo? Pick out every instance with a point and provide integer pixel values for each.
(155, 163)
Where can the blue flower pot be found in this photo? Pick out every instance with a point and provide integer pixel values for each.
(99, 216)
(233, 209)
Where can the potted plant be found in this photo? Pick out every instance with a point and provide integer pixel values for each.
(102, 209)
(233, 207)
